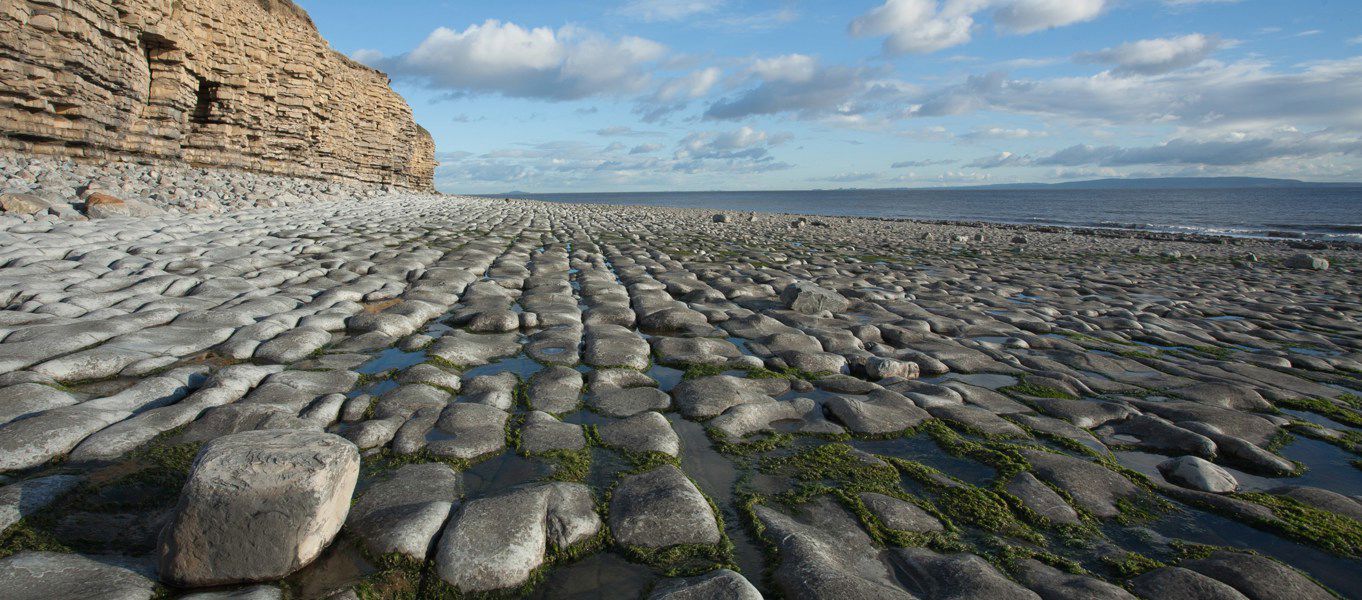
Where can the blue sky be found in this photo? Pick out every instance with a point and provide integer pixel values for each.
(631, 95)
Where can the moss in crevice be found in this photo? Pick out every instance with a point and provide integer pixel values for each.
(766, 443)
(24, 537)
(387, 460)
(568, 465)
(1037, 391)
(1327, 530)
(1333, 411)
(697, 371)
(1131, 564)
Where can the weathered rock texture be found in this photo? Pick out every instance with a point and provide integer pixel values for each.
(246, 84)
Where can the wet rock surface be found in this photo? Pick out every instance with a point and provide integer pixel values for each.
(649, 401)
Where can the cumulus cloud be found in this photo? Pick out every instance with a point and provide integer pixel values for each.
(1002, 159)
(742, 143)
(573, 164)
(1324, 93)
(800, 84)
(924, 26)
(919, 26)
(504, 58)
(1028, 16)
(1155, 56)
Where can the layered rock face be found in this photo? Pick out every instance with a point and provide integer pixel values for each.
(246, 84)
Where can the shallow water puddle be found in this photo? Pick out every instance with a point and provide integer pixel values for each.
(716, 476)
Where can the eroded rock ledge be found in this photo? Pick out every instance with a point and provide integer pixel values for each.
(245, 84)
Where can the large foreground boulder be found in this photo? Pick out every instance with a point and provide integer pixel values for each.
(258, 506)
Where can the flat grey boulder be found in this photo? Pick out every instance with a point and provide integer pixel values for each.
(49, 575)
(977, 419)
(1258, 577)
(627, 351)
(878, 367)
(471, 431)
(809, 298)
(472, 349)
(1042, 500)
(496, 543)
(1323, 499)
(707, 397)
(431, 375)
(258, 506)
(293, 345)
(628, 402)
(254, 592)
(404, 511)
(1054, 584)
(722, 584)
(694, 351)
(1307, 261)
(641, 433)
(1177, 583)
(497, 390)
(26, 399)
(901, 515)
(955, 576)
(877, 413)
(801, 415)
(659, 509)
(1093, 487)
(543, 432)
(555, 390)
(824, 553)
(1198, 474)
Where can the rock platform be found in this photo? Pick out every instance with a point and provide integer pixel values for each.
(557, 400)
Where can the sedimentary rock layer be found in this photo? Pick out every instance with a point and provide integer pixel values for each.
(244, 84)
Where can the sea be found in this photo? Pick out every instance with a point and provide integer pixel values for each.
(1292, 213)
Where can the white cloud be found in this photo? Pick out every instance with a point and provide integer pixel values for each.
(1028, 16)
(924, 26)
(668, 10)
(795, 68)
(1231, 150)
(495, 57)
(1246, 94)
(742, 143)
(1002, 159)
(1003, 133)
(1156, 56)
(919, 26)
(567, 165)
(695, 84)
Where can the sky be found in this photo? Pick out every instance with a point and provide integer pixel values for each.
(645, 95)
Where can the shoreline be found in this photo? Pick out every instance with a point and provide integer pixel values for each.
(1307, 239)
(1107, 232)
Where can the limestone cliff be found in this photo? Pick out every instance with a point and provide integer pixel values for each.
(246, 84)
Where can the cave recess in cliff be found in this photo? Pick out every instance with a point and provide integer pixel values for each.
(206, 104)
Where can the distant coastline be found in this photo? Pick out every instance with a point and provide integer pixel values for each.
(1282, 210)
